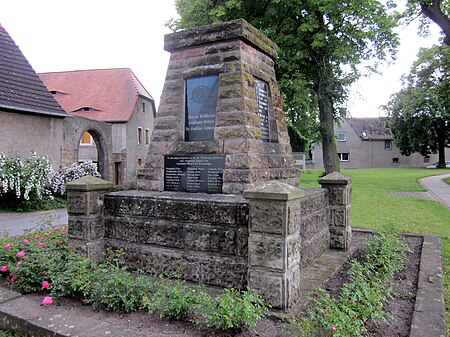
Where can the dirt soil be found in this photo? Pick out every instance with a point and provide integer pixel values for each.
(401, 307)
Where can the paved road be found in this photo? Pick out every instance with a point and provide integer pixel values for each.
(16, 223)
(438, 187)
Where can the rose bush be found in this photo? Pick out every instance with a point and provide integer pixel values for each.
(44, 262)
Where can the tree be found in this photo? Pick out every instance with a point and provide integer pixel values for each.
(419, 114)
(436, 10)
(321, 43)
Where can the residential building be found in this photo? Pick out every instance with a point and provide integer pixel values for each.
(367, 143)
(113, 96)
(30, 118)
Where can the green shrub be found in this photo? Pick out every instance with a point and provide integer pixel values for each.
(233, 309)
(173, 299)
(362, 298)
(110, 285)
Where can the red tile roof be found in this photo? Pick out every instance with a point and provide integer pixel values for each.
(110, 94)
(370, 128)
(21, 89)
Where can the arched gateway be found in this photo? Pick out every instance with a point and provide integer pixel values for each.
(73, 129)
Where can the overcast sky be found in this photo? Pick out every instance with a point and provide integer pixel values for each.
(97, 34)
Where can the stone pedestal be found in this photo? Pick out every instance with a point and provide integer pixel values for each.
(339, 190)
(242, 118)
(85, 210)
(276, 234)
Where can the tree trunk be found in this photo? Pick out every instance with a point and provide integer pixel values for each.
(433, 11)
(441, 144)
(326, 118)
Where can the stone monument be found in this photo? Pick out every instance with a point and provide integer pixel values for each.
(220, 126)
(218, 200)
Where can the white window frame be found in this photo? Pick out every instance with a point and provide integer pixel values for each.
(388, 148)
(340, 155)
(342, 139)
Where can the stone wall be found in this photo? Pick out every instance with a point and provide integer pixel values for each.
(203, 237)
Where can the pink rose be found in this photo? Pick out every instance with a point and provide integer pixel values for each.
(47, 300)
(20, 254)
(45, 285)
(325, 311)
(332, 328)
(56, 228)
(26, 241)
(8, 245)
(37, 237)
(4, 268)
(59, 242)
(41, 244)
(19, 264)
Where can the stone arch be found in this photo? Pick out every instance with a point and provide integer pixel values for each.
(101, 132)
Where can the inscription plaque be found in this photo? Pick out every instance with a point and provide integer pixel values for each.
(201, 101)
(197, 173)
(262, 98)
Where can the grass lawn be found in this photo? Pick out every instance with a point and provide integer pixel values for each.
(373, 207)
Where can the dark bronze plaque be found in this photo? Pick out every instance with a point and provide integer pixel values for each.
(201, 101)
(262, 98)
(194, 173)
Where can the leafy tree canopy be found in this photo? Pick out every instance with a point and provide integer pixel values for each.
(321, 44)
(419, 114)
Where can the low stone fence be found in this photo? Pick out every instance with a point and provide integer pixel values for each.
(261, 239)
(203, 237)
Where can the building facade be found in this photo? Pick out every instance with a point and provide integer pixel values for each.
(367, 143)
(115, 97)
(30, 118)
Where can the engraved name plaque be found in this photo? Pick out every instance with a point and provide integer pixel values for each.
(201, 101)
(262, 98)
(197, 173)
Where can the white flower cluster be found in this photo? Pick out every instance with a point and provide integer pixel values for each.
(23, 177)
(36, 173)
(67, 174)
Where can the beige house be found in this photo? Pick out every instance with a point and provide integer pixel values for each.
(115, 97)
(367, 143)
(30, 118)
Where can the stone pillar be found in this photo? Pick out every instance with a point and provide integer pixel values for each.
(339, 190)
(85, 209)
(274, 243)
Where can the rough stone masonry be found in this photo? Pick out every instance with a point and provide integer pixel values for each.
(218, 200)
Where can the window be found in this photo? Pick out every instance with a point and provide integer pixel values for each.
(139, 161)
(86, 139)
(139, 135)
(342, 137)
(388, 145)
(394, 160)
(426, 159)
(344, 156)
(143, 106)
(147, 136)
(85, 108)
(117, 173)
